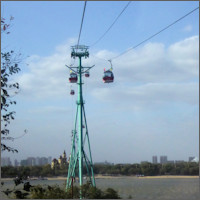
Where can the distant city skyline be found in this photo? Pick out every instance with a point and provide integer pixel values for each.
(34, 161)
(29, 161)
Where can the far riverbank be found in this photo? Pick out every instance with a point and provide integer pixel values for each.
(120, 176)
(113, 177)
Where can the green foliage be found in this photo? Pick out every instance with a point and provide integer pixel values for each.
(111, 194)
(9, 67)
(18, 181)
(46, 170)
(148, 169)
(35, 170)
(75, 194)
(49, 192)
(90, 192)
(8, 171)
(20, 195)
(27, 186)
(25, 171)
(17, 193)
(87, 192)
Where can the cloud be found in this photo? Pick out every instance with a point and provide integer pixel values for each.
(184, 55)
(49, 110)
(47, 76)
(155, 63)
(149, 95)
(150, 74)
(154, 75)
(187, 28)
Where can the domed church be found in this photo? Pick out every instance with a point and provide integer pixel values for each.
(60, 162)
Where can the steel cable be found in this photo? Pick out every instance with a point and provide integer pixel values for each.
(111, 24)
(155, 34)
(80, 28)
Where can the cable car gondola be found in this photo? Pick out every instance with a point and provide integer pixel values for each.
(72, 92)
(73, 78)
(108, 76)
(87, 74)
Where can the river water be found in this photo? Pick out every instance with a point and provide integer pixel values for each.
(140, 188)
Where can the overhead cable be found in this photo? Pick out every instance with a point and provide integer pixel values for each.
(81, 23)
(80, 28)
(111, 24)
(155, 34)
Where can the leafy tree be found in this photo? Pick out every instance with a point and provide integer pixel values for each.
(94, 193)
(9, 66)
(50, 192)
(35, 170)
(87, 192)
(146, 169)
(17, 193)
(168, 168)
(20, 195)
(46, 170)
(90, 192)
(111, 194)
(194, 170)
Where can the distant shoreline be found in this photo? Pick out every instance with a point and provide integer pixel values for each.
(120, 176)
(169, 176)
(153, 177)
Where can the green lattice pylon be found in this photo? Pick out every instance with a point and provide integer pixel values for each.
(78, 157)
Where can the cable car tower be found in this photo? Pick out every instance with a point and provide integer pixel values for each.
(78, 156)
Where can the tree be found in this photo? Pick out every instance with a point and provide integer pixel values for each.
(87, 192)
(46, 170)
(9, 66)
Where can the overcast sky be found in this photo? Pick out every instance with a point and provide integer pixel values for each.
(152, 108)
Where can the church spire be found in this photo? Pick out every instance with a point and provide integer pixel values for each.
(64, 154)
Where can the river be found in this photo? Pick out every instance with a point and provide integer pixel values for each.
(140, 188)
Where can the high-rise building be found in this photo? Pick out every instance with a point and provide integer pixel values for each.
(24, 163)
(163, 159)
(5, 161)
(44, 160)
(37, 161)
(49, 159)
(16, 163)
(31, 161)
(154, 160)
(191, 158)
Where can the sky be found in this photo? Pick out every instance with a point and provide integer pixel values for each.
(151, 108)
